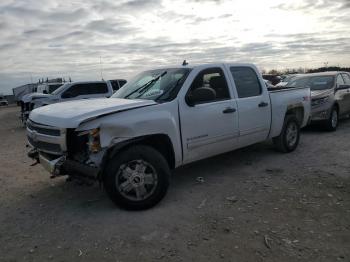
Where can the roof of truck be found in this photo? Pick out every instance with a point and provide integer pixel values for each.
(192, 66)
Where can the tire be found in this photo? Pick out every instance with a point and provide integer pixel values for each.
(137, 178)
(288, 140)
(331, 123)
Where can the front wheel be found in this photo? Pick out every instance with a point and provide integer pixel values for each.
(137, 178)
(288, 140)
(332, 122)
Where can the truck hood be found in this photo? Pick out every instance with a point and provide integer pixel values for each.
(71, 114)
(320, 93)
(33, 96)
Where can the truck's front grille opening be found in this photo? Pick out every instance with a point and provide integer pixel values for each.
(40, 145)
(42, 130)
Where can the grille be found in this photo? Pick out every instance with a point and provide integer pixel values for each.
(42, 130)
(45, 146)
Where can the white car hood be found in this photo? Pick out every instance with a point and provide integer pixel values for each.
(71, 114)
(29, 97)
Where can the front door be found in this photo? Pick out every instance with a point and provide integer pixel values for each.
(209, 127)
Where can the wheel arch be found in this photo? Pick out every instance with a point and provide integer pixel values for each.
(159, 142)
(298, 111)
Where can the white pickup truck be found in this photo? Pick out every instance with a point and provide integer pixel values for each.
(67, 92)
(160, 120)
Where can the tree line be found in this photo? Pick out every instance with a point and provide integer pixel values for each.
(301, 70)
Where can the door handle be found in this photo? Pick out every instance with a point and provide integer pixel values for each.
(263, 104)
(229, 110)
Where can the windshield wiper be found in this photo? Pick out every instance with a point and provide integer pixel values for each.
(170, 89)
(146, 86)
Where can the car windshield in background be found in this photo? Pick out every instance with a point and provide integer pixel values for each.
(313, 82)
(157, 85)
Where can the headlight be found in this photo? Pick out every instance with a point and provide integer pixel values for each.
(319, 101)
(94, 143)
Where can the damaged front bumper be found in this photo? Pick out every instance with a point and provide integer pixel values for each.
(60, 166)
(55, 166)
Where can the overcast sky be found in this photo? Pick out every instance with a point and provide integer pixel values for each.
(62, 38)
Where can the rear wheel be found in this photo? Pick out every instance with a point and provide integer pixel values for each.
(331, 123)
(137, 178)
(288, 140)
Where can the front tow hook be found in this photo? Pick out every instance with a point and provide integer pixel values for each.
(34, 154)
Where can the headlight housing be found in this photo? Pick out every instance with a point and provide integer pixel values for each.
(319, 101)
(94, 143)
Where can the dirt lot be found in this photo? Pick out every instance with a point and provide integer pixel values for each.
(254, 205)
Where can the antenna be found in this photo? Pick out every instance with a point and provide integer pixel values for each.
(101, 68)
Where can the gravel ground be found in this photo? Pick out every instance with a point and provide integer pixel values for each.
(254, 204)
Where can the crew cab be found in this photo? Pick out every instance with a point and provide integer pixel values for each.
(161, 120)
(67, 92)
(330, 96)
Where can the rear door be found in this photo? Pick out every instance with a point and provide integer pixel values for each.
(210, 127)
(253, 102)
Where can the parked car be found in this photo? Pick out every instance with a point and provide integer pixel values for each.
(67, 92)
(268, 84)
(286, 79)
(3, 101)
(274, 79)
(330, 93)
(161, 120)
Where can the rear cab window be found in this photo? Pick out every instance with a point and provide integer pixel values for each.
(246, 81)
(85, 89)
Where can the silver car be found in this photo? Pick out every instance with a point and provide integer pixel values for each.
(330, 94)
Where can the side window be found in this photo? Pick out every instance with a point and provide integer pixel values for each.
(214, 80)
(246, 81)
(340, 80)
(122, 82)
(114, 84)
(346, 79)
(74, 91)
(97, 88)
(85, 89)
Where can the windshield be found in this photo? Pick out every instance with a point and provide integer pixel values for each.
(313, 82)
(160, 84)
(60, 89)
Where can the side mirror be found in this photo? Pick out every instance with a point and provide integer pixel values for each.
(342, 87)
(201, 95)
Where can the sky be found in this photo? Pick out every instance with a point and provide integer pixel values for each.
(61, 38)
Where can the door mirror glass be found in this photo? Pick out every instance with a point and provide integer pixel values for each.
(201, 95)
